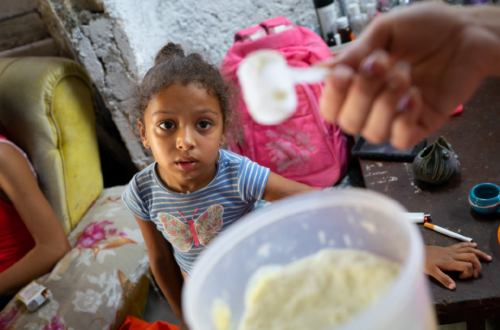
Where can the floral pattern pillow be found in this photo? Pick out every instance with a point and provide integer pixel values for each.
(94, 285)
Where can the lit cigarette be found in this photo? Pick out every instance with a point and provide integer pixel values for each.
(447, 232)
(417, 217)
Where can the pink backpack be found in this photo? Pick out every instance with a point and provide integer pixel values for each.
(304, 148)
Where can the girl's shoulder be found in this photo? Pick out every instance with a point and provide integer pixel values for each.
(145, 177)
(9, 153)
(138, 194)
(231, 158)
(148, 171)
(235, 161)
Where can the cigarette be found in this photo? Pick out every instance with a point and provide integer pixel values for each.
(447, 232)
(417, 217)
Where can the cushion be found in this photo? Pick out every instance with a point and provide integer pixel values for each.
(104, 278)
(46, 108)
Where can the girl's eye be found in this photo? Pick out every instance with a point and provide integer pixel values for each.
(204, 124)
(167, 125)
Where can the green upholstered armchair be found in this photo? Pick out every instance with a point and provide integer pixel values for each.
(46, 109)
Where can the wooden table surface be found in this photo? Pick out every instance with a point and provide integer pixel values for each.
(475, 136)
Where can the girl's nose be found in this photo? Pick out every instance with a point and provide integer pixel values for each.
(185, 138)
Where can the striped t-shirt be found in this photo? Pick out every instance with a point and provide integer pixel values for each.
(190, 221)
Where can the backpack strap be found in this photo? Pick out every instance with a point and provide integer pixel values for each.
(251, 33)
(313, 101)
(276, 24)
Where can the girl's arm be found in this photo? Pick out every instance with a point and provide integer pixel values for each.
(164, 266)
(277, 187)
(51, 244)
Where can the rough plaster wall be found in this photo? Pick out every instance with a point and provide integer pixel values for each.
(116, 40)
(99, 43)
(202, 25)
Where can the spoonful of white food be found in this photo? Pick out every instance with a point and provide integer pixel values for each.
(268, 85)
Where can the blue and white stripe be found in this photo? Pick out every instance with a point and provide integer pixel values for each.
(237, 185)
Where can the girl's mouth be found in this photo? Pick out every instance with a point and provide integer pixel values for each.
(186, 165)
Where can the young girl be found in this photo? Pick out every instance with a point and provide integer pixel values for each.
(193, 190)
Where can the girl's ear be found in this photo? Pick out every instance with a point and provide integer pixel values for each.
(144, 137)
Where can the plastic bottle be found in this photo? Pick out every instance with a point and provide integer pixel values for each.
(326, 15)
(330, 39)
(357, 21)
(344, 30)
(338, 40)
(371, 9)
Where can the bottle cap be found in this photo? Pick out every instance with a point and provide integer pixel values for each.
(322, 3)
(342, 22)
(353, 9)
(371, 8)
(330, 40)
(338, 40)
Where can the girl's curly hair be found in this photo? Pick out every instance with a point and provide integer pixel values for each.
(172, 66)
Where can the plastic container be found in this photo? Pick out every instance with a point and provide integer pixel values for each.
(301, 226)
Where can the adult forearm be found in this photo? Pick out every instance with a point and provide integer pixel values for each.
(169, 278)
(488, 18)
(37, 262)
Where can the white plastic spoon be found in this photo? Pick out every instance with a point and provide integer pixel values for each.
(268, 85)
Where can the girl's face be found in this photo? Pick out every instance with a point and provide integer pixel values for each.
(183, 127)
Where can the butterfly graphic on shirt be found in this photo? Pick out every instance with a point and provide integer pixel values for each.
(194, 232)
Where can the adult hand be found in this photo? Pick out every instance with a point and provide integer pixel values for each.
(449, 50)
(461, 257)
(183, 326)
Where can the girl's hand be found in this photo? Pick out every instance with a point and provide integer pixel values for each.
(461, 257)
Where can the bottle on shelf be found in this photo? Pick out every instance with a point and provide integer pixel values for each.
(330, 39)
(327, 16)
(357, 20)
(344, 30)
(338, 40)
(371, 10)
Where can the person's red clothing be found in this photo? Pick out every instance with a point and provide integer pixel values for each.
(133, 323)
(15, 239)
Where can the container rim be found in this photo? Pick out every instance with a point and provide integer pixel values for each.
(393, 300)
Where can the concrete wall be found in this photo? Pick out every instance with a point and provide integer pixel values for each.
(22, 31)
(116, 40)
(208, 26)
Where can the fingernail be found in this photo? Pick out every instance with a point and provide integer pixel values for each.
(489, 258)
(393, 84)
(475, 244)
(342, 76)
(406, 102)
(451, 286)
(402, 68)
(373, 66)
(328, 62)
